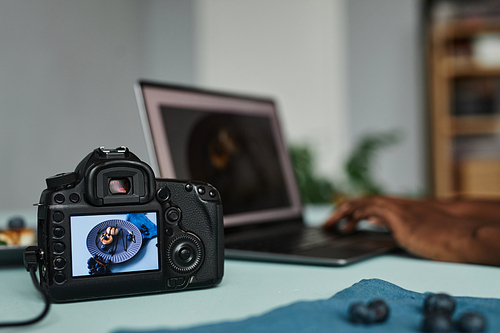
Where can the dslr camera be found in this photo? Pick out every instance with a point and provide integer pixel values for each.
(111, 229)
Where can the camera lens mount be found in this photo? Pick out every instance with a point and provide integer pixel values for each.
(185, 253)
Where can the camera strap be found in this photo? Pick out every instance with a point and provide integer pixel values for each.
(31, 257)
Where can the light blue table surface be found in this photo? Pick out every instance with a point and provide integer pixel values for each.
(248, 289)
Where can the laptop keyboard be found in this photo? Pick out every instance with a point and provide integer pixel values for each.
(286, 243)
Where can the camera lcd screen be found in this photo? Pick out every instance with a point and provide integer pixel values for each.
(113, 243)
(230, 151)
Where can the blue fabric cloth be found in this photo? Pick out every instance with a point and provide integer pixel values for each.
(331, 315)
(147, 228)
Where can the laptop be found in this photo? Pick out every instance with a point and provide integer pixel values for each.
(235, 143)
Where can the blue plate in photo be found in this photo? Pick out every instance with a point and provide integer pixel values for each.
(124, 245)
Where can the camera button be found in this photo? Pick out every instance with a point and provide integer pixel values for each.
(169, 231)
(163, 194)
(59, 247)
(58, 216)
(59, 262)
(189, 187)
(212, 193)
(201, 190)
(173, 214)
(58, 232)
(74, 197)
(185, 254)
(176, 282)
(59, 198)
(59, 278)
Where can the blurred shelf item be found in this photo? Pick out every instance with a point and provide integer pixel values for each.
(467, 67)
(471, 125)
(465, 28)
(480, 177)
(463, 45)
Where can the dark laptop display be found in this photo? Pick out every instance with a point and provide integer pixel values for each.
(231, 151)
(235, 143)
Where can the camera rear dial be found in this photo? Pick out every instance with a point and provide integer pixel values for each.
(185, 253)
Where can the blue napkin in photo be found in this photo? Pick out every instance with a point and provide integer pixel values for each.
(331, 315)
(147, 228)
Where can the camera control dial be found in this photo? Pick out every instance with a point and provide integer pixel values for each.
(61, 180)
(185, 253)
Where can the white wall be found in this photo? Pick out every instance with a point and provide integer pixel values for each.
(339, 69)
(385, 73)
(292, 50)
(167, 42)
(67, 69)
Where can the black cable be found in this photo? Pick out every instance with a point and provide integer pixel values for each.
(45, 310)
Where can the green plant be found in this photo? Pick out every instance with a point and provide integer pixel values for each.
(359, 165)
(313, 188)
(358, 168)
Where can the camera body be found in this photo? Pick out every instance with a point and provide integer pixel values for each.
(111, 229)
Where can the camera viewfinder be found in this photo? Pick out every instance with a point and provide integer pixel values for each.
(119, 186)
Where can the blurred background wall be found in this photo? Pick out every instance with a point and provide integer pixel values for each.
(338, 69)
(385, 87)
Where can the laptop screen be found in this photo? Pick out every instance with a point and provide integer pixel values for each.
(230, 141)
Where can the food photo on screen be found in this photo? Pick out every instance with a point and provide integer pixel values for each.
(110, 244)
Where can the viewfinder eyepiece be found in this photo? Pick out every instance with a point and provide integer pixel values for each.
(119, 186)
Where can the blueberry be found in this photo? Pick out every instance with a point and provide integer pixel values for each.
(380, 310)
(16, 222)
(359, 313)
(439, 303)
(437, 322)
(471, 322)
(376, 311)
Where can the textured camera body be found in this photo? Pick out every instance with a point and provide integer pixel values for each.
(111, 229)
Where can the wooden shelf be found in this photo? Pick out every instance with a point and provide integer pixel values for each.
(455, 73)
(462, 68)
(465, 28)
(480, 177)
(470, 125)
